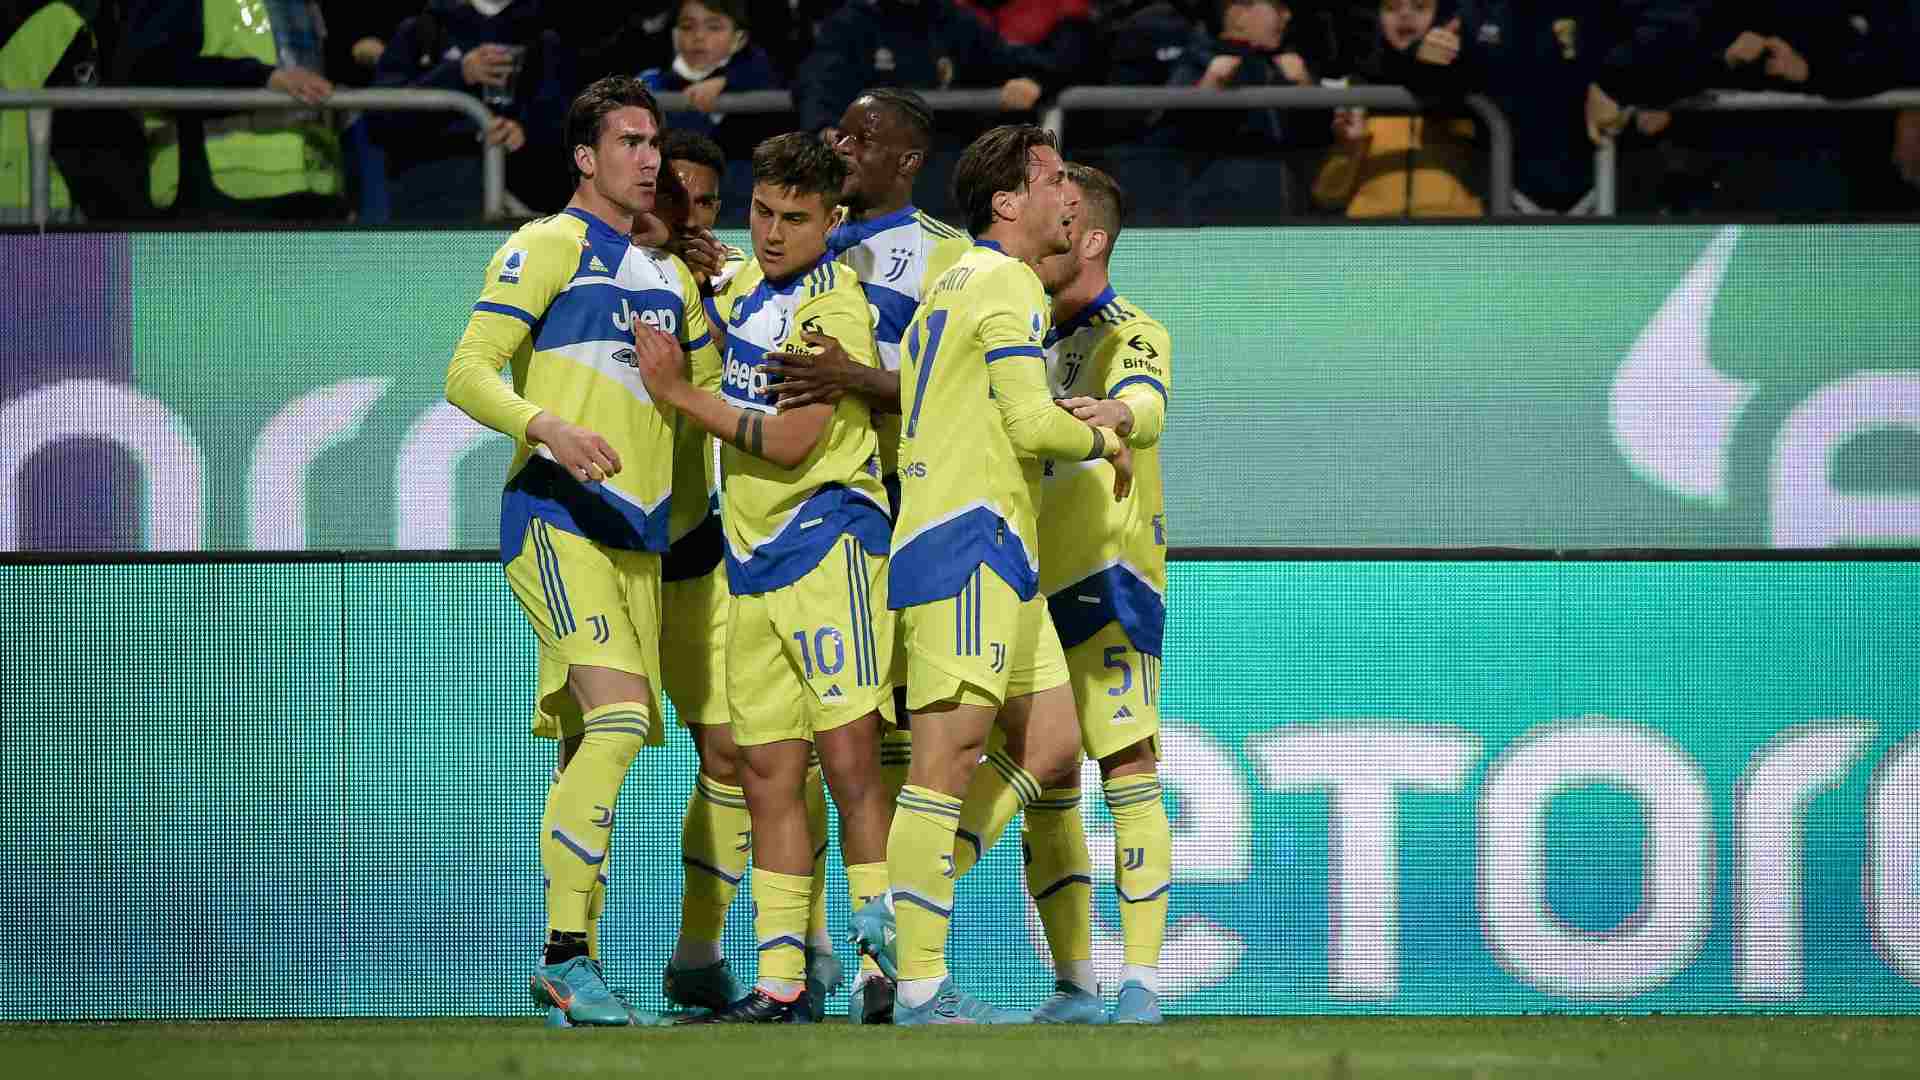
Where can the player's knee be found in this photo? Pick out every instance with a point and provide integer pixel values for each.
(1068, 777)
(719, 756)
(1136, 760)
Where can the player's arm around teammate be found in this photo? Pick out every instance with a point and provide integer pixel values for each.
(807, 538)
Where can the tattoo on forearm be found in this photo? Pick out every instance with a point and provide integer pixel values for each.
(740, 433)
(1099, 445)
(758, 435)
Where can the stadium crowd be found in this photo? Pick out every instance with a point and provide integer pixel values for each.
(1566, 75)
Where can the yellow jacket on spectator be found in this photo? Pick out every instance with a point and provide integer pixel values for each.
(27, 58)
(250, 155)
(1413, 165)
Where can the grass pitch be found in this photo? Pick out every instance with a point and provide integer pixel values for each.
(1323, 1047)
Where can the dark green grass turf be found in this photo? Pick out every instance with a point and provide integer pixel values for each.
(1328, 1047)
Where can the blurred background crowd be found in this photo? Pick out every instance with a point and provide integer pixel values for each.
(1567, 75)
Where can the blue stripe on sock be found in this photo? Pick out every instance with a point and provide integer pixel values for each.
(921, 901)
(783, 940)
(1141, 899)
(971, 839)
(574, 846)
(1061, 884)
(711, 869)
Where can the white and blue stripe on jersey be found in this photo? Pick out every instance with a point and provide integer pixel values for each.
(590, 322)
(890, 255)
(758, 323)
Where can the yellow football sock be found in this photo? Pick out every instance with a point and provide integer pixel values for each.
(715, 837)
(920, 868)
(579, 818)
(864, 882)
(896, 753)
(1142, 864)
(780, 904)
(817, 829)
(1059, 876)
(995, 795)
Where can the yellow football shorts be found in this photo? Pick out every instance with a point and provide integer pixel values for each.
(812, 656)
(693, 646)
(1117, 690)
(592, 605)
(981, 646)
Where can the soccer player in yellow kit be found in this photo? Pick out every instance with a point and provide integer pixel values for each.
(585, 514)
(898, 252)
(982, 650)
(1103, 568)
(715, 834)
(807, 537)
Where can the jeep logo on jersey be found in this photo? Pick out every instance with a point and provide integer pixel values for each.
(748, 379)
(660, 319)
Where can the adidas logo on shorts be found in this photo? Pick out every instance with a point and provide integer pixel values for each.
(1122, 715)
(834, 693)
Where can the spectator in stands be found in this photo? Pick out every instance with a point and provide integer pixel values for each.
(1559, 71)
(1785, 161)
(99, 155)
(1390, 166)
(1141, 41)
(1062, 29)
(916, 45)
(714, 53)
(621, 38)
(1236, 156)
(278, 163)
(494, 49)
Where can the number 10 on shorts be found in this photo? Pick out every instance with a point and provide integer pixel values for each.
(814, 654)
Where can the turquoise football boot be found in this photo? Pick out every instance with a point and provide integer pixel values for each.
(1137, 1005)
(824, 975)
(1070, 1005)
(712, 987)
(873, 932)
(578, 989)
(951, 1005)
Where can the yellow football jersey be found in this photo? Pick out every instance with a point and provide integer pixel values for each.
(560, 302)
(897, 257)
(978, 418)
(694, 524)
(1103, 561)
(779, 523)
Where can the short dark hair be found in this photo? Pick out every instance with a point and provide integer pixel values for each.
(1104, 196)
(587, 116)
(993, 163)
(735, 10)
(680, 144)
(911, 108)
(800, 163)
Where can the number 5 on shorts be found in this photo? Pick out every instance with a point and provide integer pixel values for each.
(1116, 657)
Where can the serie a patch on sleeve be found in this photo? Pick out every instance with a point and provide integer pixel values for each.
(515, 264)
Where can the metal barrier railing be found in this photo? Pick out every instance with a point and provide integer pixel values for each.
(1151, 98)
(1179, 98)
(41, 103)
(1606, 157)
